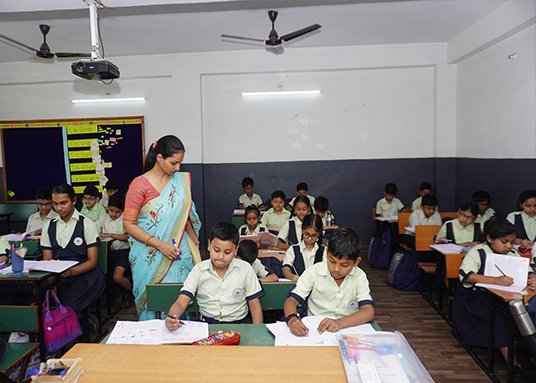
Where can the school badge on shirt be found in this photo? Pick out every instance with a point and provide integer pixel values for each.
(353, 305)
(78, 241)
(238, 294)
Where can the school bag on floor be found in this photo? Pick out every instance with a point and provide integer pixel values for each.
(379, 251)
(404, 273)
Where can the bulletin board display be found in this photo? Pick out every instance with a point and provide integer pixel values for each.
(81, 152)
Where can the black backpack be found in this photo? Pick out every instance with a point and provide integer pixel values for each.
(404, 273)
(379, 252)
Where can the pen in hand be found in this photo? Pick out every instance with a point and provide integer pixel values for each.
(175, 317)
(175, 244)
(502, 272)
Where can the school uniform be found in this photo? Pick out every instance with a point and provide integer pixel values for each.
(4, 247)
(222, 299)
(258, 229)
(455, 232)
(119, 250)
(36, 223)
(416, 204)
(417, 218)
(70, 241)
(328, 219)
(104, 200)
(525, 225)
(273, 219)
(483, 218)
(95, 213)
(246, 201)
(291, 231)
(325, 298)
(260, 270)
(298, 258)
(471, 306)
(388, 209)
(311, 200)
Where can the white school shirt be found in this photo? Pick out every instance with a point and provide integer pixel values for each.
(417, 218)
(328, 219)
(463, 234)
(283, 233)
(528, 221)
(224, 299)
(328, 299)
(308, 256)
(259, 268)
(386, 209)
(65, 230)
(246, 201)
(35, 222)
(273, 219)
(416, 204)
(483, 218)
(4, 246)
(311, 200)
(107, 225)
(256, 231)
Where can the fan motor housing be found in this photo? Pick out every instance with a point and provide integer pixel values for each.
(95, 69)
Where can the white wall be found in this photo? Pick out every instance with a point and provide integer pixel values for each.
(409, 90)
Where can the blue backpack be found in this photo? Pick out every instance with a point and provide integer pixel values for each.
(404, 273)
(379, 252)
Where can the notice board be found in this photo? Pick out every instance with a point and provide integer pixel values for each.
(81, 152)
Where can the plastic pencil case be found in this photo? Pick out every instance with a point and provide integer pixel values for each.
(222, 338)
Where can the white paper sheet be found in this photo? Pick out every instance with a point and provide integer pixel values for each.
(393, 218)
(447, 248)
(52, 266)
(515, 267)
(283, 336)
(155, 332)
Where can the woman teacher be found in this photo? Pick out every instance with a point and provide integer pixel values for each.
(161, 220)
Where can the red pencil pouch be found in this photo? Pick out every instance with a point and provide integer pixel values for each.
(222, 338)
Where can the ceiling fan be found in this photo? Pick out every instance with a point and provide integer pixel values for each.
(44, 50)
(274, 40)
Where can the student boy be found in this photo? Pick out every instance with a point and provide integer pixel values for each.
(45, 213)
(223, 285)
(302, 189)
(276, 216)
(482, 200)
(249, 198)
(424, 188)
(321, 208)
(389, 205)
(92, 209)
(249, 251)
(4, 250)
(338, 277)
(426, 215)
(73, 237)
(110, 189)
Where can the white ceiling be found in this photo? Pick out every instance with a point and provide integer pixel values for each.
(141, 27)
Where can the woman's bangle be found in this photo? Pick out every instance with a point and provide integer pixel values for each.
(290, 316)
(148, 239)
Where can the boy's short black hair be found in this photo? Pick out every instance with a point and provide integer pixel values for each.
(344, 243)
(248, 251)
(481, 196)
(251, 208)
(247, 181)
(224, 231)
(425, 186)
(429, 200)
(391, 188)
(111, 185)
(470, 206)
(65, 189)
(321, 203)
(117, 200)
(302, 186)
(278, 194)
(92, 191)
(44, 193)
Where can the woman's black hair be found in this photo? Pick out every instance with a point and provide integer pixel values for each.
(470, 206)
(498, 227)
(315, 222)
(301, 198)
(166, 146)
(65, 189)
(527, 194)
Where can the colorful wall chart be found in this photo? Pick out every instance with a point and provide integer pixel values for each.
(80, 152)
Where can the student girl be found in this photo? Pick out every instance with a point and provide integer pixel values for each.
(525, 220)
(252, 226)
(462, 230)
(306, 253)
(73, 237)
(471, 311)
(291, 231)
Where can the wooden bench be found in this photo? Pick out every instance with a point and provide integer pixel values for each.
(14, 363)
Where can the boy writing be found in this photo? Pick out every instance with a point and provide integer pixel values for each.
(223, 285)
(249, 198)
(111, 226)
(338, 277)
(92, 209)
(321, 207)
(276, 216)
(45, 213)
(249, 251)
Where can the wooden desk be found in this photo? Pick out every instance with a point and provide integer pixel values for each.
(226, 364)
(424, 236)
(403, 221)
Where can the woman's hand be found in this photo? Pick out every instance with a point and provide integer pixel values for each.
(169, 250)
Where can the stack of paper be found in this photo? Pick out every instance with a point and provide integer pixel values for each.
(155, 332)
(447, 248)
(21, 237)
(392, 218)
(283, 336)
(52, 266)
(498, 265)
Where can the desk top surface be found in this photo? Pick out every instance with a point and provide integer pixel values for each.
(508, 296)
(32, 276)
(170, 363)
